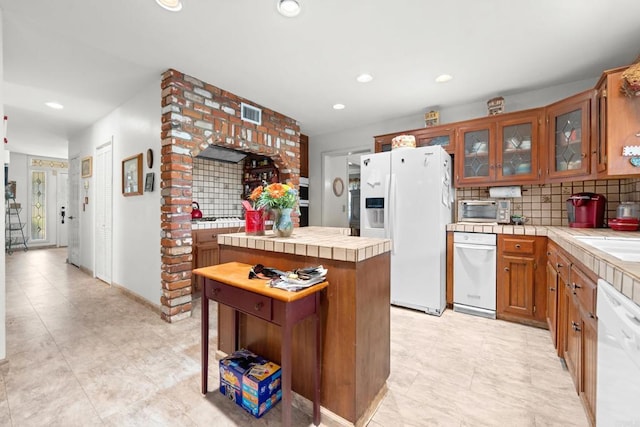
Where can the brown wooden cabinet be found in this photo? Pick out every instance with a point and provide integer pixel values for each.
(521, 293)
(552, 301)
(618, 125)
(569, 138)
(577, 329)
(502, 150)
(205, 251)
(436, 135)
(304, 155)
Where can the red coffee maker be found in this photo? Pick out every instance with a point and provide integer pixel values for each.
(586, 210)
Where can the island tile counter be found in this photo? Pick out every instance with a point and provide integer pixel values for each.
(355, 315)
(321, 242)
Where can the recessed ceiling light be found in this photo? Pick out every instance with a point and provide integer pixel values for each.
(338, 106)
(54, 105)
(289, 8)
(364, 78)
(171, 5)
(443, 78)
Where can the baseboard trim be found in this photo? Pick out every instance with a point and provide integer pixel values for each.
(130, 294)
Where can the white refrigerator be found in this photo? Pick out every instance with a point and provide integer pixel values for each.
(406, 196)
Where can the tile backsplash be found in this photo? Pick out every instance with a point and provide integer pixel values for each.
(546, 204)
(217, 187)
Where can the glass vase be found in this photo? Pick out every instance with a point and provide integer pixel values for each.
(282, 223)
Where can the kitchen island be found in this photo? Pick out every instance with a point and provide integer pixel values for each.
(355, 315)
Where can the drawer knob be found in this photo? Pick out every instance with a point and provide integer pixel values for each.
(517, 245)
(258, 306)
(552, 289)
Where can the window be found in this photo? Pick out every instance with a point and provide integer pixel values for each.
(38, 205)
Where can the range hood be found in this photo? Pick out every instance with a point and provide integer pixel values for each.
(222, 154)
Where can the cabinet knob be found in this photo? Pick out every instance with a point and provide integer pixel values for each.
(575, 286)
(552, 289)
(258, 306)
(506, 269)
(548, 253)
(558, 265)
(575, 326)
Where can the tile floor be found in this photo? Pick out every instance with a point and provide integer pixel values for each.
(82, 354)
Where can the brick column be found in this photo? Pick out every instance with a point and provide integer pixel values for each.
(194, 115)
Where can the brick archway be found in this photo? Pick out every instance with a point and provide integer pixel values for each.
(194, 115)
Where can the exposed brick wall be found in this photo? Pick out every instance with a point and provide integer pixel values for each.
(195, 114)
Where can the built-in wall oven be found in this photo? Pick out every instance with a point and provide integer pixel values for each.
(304, 202)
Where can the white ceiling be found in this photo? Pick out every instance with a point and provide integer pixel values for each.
(92, 55)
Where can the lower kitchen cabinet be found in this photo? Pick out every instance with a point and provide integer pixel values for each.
(205, 251)
(521, 291)
(577, 328)
(552, 301)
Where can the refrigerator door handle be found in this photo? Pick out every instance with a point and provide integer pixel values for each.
(392, 212)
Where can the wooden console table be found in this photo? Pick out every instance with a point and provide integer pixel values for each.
(229, 284)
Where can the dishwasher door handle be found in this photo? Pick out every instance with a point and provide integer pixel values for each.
(476, 247)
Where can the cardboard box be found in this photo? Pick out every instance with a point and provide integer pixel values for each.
(261, 388)
(251, 381)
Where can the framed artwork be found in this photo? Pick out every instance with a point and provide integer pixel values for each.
(132, 175)
(148, 181)
(86, 167)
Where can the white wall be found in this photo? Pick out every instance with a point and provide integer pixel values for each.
(134, 127)
(3, 290)
(356, 138)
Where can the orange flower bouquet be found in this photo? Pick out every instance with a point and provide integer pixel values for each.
(274, 196)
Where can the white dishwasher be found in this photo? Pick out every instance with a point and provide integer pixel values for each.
(618, 386)
(474, 274)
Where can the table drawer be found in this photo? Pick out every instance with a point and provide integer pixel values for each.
(244, 301)
(519, 245)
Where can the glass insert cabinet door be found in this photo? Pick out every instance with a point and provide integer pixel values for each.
(569, 138)
(517, 142)
(476, 154)
(568, 141)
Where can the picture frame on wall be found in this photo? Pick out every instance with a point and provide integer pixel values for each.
(86, 167)
(148, 181)
(132, 175)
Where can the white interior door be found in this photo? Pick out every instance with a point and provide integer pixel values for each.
(335, 192)
(72, 216)
(62, 202)
(103, 189)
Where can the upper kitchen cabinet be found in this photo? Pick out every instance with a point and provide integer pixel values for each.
(383, 142)
(304, 156)
(569, 132)
(443, 136)
(500, 150)
(618, 125)
(475, 162)
(429, 136)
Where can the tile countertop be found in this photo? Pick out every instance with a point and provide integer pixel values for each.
(322, 242)
(623, 275)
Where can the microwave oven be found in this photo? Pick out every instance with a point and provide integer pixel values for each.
(484, 211)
